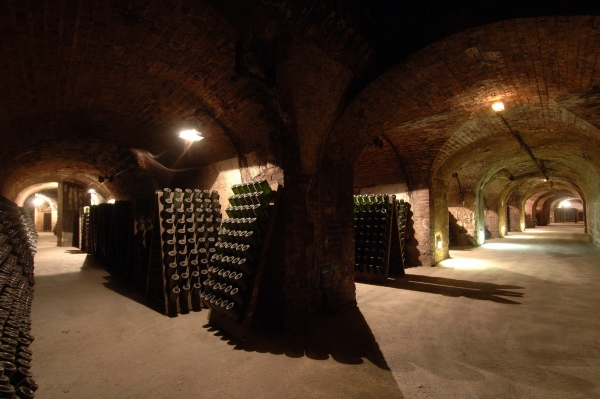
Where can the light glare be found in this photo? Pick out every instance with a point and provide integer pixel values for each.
(38, 201)
(190, 135)
(565, 204)
(111, 201)
(498, 106)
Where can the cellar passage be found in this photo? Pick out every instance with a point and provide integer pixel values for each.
(477, 122)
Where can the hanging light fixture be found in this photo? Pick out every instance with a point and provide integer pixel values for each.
(498, 106)
(190, 135)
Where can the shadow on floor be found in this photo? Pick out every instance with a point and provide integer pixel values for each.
(344, 336)
(117, 283)
(457, 288)
(74, 251)
(119, 286)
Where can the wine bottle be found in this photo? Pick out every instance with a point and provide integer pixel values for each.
(174, 281)
(232, 310)
(7, 391)
(265, 187)
(241, 282)
(196, 289)
(237, 297)
(174, 295)
(184, 279)
(28, 383)
(170, 270)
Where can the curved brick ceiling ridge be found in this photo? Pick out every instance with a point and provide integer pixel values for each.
(480, 161)
(526, 62)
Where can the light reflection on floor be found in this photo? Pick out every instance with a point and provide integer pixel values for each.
(465, 263)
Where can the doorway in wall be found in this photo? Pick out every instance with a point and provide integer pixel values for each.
(47, 225)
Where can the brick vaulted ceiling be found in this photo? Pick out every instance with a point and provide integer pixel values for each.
(128, 74)
(435, 106)
(84, 81)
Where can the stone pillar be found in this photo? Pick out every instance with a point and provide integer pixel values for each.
(430, 216)
(71, 198)
(311, 259)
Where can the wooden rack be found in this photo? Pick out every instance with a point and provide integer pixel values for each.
(394, 250)
(240, 330)
(156, 286)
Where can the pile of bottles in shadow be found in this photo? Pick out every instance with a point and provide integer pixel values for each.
(372, 227)
(18, 241)
(231, 270)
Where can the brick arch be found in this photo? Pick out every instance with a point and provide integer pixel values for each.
(532, 193)
(537, 208)
(417, 96)
(435, 106)
(80, 162)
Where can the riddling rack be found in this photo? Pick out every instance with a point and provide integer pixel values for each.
(189, 221)
(402, 209)
(234, 272)
(377, 251)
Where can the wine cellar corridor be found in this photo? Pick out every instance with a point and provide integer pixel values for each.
(480, 322)
(299, 198)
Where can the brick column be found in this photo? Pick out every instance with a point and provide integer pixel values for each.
(71, 198)
(430, 214)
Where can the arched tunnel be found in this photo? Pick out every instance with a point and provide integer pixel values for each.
(484, 118)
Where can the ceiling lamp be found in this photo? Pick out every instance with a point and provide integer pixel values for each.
(498, 106)
(190, 135)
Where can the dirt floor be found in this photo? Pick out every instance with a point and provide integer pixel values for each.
(515, 318)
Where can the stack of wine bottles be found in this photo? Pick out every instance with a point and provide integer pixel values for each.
(189, 223)
(111, 238)
(233, 271)
(372, 215)
(17, 249)
(402, 209)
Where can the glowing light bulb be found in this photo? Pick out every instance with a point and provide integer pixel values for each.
(498, 106)
(38, 201)
(190, 135)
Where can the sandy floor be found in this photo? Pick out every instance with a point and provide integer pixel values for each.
(515, 318)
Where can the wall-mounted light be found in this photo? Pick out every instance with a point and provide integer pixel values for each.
(38, 201)
(111, 201)
(503, 229)
(438, 241)
(190, 135)
(498, 106)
